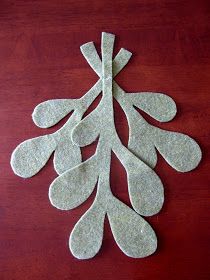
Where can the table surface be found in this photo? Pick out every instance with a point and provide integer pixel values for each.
(40, 59)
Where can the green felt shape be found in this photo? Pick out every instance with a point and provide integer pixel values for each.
(86, 237)
(50, 112)
(133, 234)
(179, 150)
(74, 186)
(77, 179)
(159, 106)
(67, 155)
(145, 187)
(31, 155)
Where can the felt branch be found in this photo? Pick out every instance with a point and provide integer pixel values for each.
(179, 150)
(77, 179)
(74, 186)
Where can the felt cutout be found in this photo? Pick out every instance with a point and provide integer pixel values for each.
(179, 150)
(77, 179)
(50, 112)
(74, 186)
(133, 234)
(144, 186)
(31, 155)
(86, 237)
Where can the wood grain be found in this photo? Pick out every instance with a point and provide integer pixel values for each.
(39, 60)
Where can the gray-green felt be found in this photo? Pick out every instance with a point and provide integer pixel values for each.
(77, 179)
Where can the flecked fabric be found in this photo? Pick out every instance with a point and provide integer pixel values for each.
(77, 179)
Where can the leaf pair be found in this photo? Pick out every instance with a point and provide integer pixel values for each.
(132, 233)
(145, 187)
(31, 155)
(179, 150)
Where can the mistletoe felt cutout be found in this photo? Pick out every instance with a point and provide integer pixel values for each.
(78, 178)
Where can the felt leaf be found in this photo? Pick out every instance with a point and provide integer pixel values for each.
(179, 150)
(143, 149)
(87, 130)
(132, 233)
(74, 186)
(159, 106)
(31, 155)
(66, 156)
(145, 187)
(50, 112)
(86, 238)
(140, 142)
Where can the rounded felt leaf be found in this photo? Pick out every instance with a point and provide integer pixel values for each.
(159, 106)
(179, 150)
(143, 149)
(87, 130)
(50, 112)
(74, 186)
(31, 155)
(132, 233)
(86, 238)
(139, 141)
(66, 156)
(145, 187)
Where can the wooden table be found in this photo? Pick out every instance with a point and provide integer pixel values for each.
(40, 59)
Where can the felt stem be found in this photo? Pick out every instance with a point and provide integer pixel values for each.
(87, 99)
(82, 104)
(107, 51)
(126, 105)
(104, 191)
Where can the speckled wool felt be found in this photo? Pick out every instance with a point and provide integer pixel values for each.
(31, 155)
(132, 233)
(77, 179)
(179, 150)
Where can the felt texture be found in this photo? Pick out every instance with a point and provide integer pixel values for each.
(77, 179)
(179, 150)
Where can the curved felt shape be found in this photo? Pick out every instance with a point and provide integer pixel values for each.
(145, 187)
(73, 187)
(66, 156)
(59, 140)
(179, 150)
(87, 235)
(87, 130)
(31, 155)
(139, 142)
(158, 105)
(132, 233)
(50, 112)
(120, 60)
(89, 52)
(140, 139)
(143, 149)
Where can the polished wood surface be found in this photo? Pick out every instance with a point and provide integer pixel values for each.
(40, 59)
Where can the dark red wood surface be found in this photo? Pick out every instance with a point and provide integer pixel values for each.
(40, 59)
